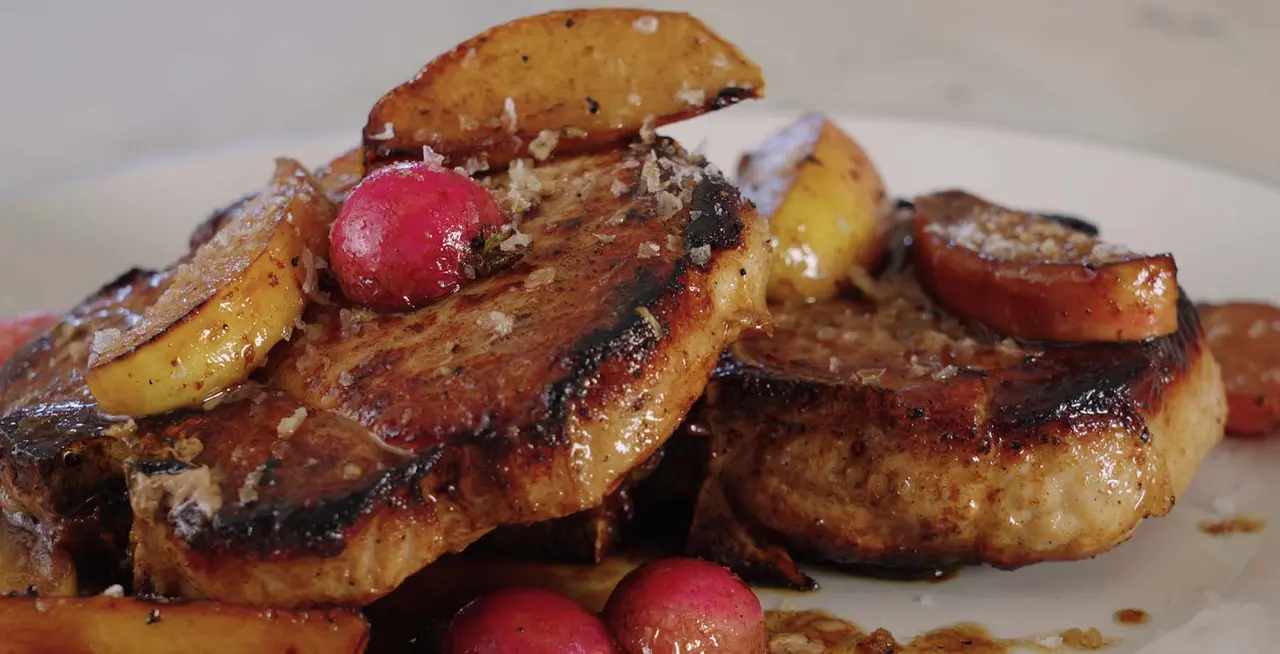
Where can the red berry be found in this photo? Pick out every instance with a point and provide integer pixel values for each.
(529, 621)
(15, 332)
(685, 605)
(406, 234)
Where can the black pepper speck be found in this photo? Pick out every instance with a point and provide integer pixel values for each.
(593, 106)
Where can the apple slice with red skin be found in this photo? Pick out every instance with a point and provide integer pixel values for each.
(1034, 278)
(1245, 339)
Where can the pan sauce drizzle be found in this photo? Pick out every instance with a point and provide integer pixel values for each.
(818, 632)
(1131, 617)
(1232, 525)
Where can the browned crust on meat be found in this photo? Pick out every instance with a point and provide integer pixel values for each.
(535, 424)
(973, 468)
(60, 477)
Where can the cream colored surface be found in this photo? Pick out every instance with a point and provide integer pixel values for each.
(90, 86)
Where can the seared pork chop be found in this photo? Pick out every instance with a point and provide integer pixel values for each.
(882, 430)
(61, 489)
(527, 396)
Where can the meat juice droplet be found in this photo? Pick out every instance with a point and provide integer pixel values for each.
(1131, 617)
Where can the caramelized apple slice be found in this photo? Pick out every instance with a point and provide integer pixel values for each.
(1245, 339)
(1031, 277)
(564, 81)
(825, 203)
(341, 174)
(234, 298)
(104, 625)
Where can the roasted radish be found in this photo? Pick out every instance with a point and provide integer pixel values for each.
(412, 233)
(685, 605)
(1245, 339)
(1031, 277)
(529, 621)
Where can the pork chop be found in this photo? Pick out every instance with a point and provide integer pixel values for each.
(61, 490)
(527, 396)
(882, 430)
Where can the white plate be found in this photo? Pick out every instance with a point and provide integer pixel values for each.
(1203, 594)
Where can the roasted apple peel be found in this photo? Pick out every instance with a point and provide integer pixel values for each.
(238, 294)
(1033, 278)
(1245, 339)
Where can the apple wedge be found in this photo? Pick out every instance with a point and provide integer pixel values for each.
(564, 81)
(105, 625)
(341, 174)
(1034, 278)
(1245, 339)
(233, 299)
(825, 203)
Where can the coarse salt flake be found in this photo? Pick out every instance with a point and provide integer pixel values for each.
(509, 114)
(700, 255)
(542, 146)
(646, 24)
(290, 423)
(618, 187)
(388, 132)
(668, 203)
(650, 175)
(515, 241)
(946, 373)
(647, 129)
(248, 491)
(497, 321)
(104, 340)
(187, 449)
(648, 250)
(121, 429)
(540, 277)
(692, 97)
(432, 157)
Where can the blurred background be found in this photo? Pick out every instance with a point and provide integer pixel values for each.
(90, 85)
